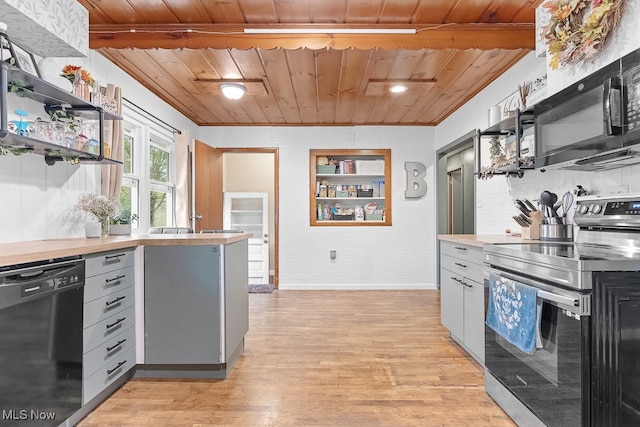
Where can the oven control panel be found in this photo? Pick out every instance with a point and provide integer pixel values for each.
(601, 210)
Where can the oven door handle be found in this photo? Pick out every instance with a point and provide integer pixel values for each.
(560, 299)
(577, 303)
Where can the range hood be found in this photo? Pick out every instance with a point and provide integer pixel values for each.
(610, 160)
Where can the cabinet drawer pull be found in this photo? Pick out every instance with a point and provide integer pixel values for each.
(111, 371)
(113, 258)
(115, 279)
(116, 323)
(459, 264)
(456, 279)
(460, 248)
(115, 301)
(116, 345)
(466, 284)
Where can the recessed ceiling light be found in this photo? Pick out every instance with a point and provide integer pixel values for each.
(398, 88)
(233, 90)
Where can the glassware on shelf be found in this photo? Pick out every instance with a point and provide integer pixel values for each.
(89, 130)
(80, 140)
(12, 127)
(80, 88)
(69, 133)
(58, 132)
(21, 124)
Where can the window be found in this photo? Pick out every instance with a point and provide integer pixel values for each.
(161, 186)
(148, 182)
(129, 195)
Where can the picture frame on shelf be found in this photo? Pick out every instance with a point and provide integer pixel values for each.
(26, 61)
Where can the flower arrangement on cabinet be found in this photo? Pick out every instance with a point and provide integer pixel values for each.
(100, 207)
(69, 73)
(578, 29)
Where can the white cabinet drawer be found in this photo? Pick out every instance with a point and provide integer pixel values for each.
(108, 261)
(107, 283)
(462, 267)
(101, 308)
(97, 334)
(468, 253)
(110, 372)
(110, 350)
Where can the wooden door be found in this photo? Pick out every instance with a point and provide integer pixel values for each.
(249, 212)
(207, 175)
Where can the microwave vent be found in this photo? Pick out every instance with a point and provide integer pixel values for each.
(605, 161)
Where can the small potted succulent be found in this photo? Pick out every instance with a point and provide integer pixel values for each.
(121, 224)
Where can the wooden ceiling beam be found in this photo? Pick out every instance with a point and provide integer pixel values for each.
(223, 36)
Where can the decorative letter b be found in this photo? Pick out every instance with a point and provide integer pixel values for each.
(416, 185)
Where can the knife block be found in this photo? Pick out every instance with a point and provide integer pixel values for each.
(533, 231)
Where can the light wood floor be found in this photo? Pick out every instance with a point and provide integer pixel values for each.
(325, 358)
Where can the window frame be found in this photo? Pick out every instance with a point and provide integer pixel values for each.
(146, 134)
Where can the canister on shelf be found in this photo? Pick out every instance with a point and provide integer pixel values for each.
(359, 211)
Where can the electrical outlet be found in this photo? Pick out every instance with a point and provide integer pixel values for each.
(620, 189)
(332, 255)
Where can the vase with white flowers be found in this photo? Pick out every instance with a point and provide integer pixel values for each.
(99, 208)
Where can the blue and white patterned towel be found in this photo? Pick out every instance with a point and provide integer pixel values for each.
(512, 312)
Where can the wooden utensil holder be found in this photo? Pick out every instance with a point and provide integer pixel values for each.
(532, 232)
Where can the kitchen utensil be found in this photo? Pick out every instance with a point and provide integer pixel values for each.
(522, 207)
(524, 211)
(567, 202)
(526, 219)
(519, 221)
(530, 205)
(549, 199)
(556, 232)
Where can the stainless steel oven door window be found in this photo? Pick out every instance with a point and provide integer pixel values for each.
(552, 381)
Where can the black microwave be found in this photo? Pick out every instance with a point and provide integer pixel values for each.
(593, 124)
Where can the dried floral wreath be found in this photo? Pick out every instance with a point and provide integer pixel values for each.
(578, 29)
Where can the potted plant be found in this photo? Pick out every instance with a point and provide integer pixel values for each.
(121, 224)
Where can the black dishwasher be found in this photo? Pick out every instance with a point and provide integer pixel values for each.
(41, 308)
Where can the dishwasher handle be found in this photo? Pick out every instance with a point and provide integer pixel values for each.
(27, 282)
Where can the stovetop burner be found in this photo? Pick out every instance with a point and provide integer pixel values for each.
(572, 252)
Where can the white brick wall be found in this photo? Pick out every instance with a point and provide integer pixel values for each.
(400, 256)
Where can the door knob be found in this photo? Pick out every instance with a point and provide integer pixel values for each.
(197, 217)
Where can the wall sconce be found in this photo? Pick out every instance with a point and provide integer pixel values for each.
(233, 90)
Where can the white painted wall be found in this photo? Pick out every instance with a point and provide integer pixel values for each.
(399, 256)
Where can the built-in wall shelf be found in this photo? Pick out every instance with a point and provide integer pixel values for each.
(350, 187)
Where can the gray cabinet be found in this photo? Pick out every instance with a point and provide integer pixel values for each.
(196, 309)
(462, 296)
(108, 321)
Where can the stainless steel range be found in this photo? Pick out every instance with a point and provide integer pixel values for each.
(585, 370)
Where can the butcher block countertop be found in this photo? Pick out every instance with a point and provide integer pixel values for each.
(39, 250)
(479, 240)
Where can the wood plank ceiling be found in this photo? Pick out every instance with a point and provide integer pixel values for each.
(183, 49)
